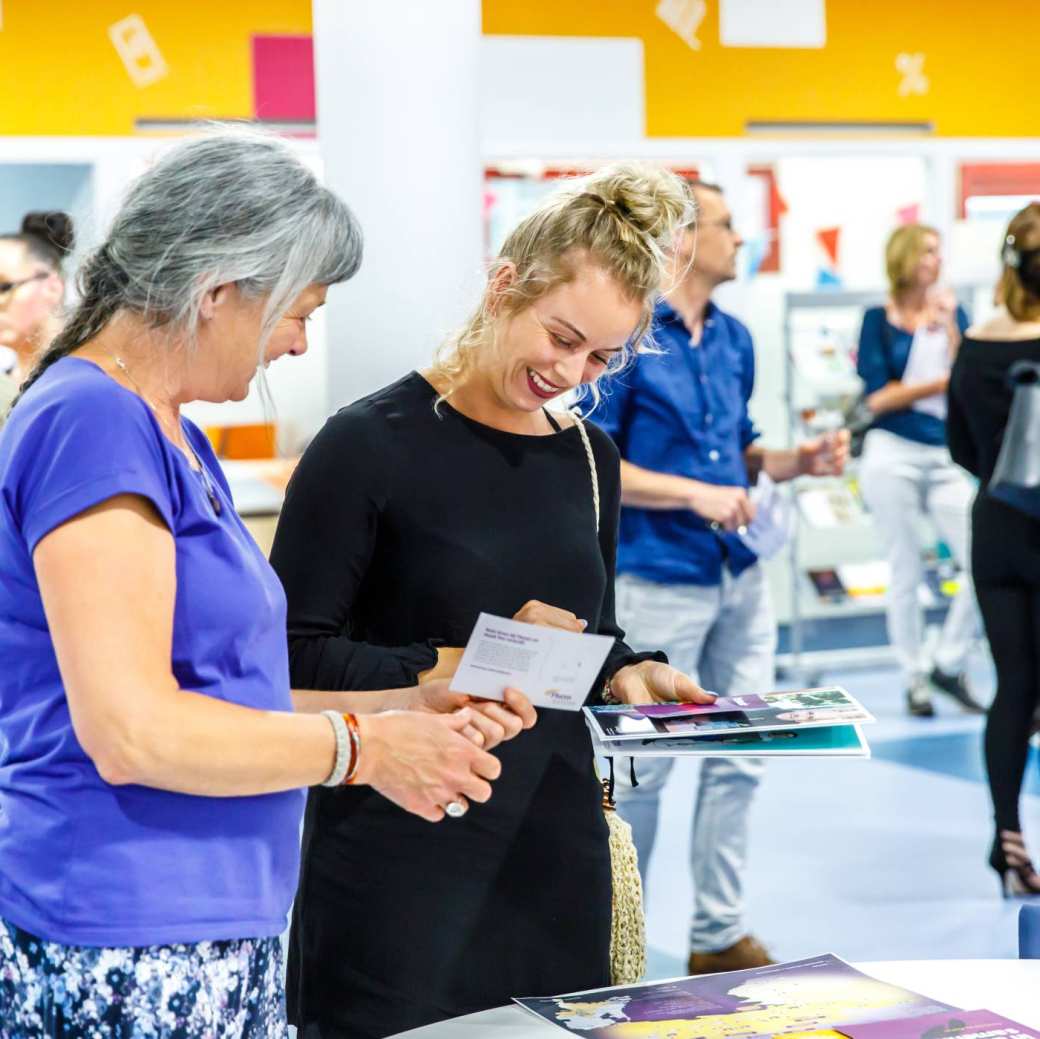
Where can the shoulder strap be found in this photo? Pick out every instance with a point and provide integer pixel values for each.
(592, 465)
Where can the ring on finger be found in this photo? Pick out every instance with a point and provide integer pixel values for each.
(455, 809)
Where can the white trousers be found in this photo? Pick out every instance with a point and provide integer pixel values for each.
(901, 481)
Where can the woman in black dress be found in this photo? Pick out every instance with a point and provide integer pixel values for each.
(1005, 542)
(448, 493)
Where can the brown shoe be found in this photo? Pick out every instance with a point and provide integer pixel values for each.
(748, 952)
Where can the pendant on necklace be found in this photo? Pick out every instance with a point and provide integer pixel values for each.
(207, 483)
(213, 499)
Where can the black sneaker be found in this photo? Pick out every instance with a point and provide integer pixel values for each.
(956, 686)
(919, 700)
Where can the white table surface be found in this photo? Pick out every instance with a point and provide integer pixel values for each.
(253, 495)
(1007, 987)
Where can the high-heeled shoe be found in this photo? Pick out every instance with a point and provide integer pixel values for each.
(1011, 861)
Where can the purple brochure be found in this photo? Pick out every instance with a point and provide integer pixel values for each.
(952, 1024)
(812, 995)
(723, 705)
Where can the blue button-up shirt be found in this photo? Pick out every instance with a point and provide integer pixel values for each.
(683, 412)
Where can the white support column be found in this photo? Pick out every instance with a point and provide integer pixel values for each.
(940, 203)
(397, 86)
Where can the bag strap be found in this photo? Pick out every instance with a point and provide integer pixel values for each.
(607, 784)
(592, 465)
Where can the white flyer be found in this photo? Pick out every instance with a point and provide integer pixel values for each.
(928, 360)
(553, 667)
(768, 531)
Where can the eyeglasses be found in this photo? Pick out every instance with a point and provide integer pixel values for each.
(7, 287)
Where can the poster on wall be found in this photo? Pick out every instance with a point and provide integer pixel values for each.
(779, 23)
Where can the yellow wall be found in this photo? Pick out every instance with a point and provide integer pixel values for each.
(60, 74)
(978, 59)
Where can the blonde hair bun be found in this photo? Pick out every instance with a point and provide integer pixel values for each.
(653, 200)
(624, 218)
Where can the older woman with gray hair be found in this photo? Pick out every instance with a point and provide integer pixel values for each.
(150, 788)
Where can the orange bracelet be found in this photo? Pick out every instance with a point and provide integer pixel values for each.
(355, 749)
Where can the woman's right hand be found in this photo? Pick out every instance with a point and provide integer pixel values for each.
(493, 721)
(423, 761)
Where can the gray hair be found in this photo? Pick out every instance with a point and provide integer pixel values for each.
(231, 206)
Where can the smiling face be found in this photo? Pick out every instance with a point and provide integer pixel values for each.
(229, 339)
(562, 340)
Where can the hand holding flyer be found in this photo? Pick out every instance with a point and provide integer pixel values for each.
(554, 668)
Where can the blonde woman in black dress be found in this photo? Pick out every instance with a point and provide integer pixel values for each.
(450, 492)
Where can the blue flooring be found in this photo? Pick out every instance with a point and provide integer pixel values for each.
(856, 632)
(873, 860)
(950, 754)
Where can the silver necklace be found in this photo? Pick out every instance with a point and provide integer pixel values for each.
(207, 483)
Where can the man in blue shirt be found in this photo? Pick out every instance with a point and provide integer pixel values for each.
(688, 583)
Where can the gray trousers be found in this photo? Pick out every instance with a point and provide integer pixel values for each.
(723, 636)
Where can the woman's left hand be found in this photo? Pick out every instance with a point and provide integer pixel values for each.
(650, 681)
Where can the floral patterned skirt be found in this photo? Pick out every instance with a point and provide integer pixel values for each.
(207, 990)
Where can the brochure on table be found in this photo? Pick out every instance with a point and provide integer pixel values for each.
(836, 741)
(962, 1024)
(790, 709)
(821, 994)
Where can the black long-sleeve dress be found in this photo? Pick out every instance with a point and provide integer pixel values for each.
(1005, 561)
(399, 527)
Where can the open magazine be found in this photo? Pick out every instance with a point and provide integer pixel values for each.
(790, 709)
(823, 995)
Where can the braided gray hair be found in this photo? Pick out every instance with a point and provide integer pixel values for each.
(231, 206)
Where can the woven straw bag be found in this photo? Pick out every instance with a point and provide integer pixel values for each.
(627, 924)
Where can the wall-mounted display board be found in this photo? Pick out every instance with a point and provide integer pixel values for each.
(712, 68)
(109, 68)
(724, 68)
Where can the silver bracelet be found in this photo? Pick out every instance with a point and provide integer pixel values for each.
(339, 769)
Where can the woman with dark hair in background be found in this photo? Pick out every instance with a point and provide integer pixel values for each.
(906, 349)
(1005, 557)
(32, 289)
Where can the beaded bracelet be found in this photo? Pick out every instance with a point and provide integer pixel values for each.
(355, 748)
